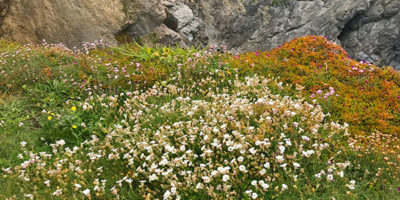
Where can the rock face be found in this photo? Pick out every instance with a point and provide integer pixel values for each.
(374, 34)
(368, 29)
(61, 21)
(75, 21)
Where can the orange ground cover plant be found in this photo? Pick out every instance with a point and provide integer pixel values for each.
(365, 96)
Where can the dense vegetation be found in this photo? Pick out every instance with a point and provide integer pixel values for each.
(301, 121)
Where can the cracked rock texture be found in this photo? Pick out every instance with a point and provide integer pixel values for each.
(368, 29)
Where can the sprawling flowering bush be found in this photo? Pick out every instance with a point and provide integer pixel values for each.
(237, 141)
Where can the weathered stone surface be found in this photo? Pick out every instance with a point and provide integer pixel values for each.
(374, 35)
(68, 21)
(3, 11)
(179, 15)
(169, 37)
(148, 15)
(181, 19)
(368, 29)
(75, 21)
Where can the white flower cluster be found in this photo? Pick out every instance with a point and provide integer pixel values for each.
(237, 141)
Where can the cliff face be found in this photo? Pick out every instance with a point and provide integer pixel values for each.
(368, 29)
(68, 21)
(374, 33)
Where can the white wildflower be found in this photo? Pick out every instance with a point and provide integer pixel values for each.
(305, 138)
(265, 186)
(225, 177)
(57, 192)
(280, 159)
(77, 186)
(23, 143)
(284, 187)
(242, 168)
(267, 165)
(282, 149)
(254, 195)
(330, 177)
(254, 183)
(167, 194)
(86, 192)
(47, 183)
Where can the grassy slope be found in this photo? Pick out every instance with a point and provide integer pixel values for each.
(36, 83)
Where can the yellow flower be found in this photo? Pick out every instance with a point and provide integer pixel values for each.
(74, 126)
(73, 108)
(49, 117)
(52, 114)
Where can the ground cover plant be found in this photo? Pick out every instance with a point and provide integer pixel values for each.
(365, 96)
(302, 121)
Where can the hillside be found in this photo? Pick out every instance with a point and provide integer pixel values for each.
(302, 121)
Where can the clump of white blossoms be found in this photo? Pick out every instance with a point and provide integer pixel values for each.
(239, 140)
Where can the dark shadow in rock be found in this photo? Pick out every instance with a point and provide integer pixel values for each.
(353, 24)
(171, 22)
